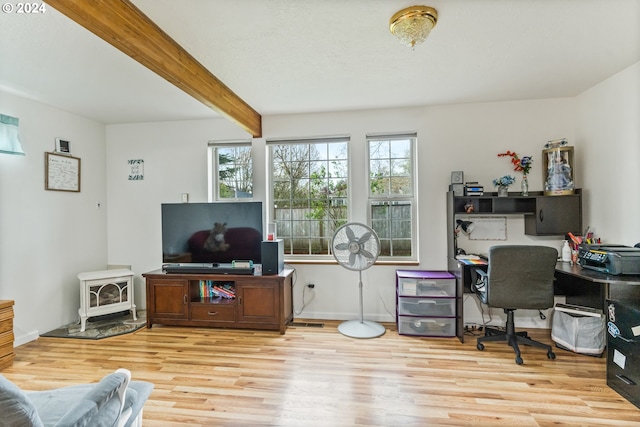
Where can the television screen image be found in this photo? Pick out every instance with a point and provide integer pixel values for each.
(220, 232)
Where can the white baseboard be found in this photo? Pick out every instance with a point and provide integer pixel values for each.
(341, 316)
(23, 339)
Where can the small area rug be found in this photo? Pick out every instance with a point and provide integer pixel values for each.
(100, 327)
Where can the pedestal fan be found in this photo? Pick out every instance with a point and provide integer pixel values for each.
(356, 247)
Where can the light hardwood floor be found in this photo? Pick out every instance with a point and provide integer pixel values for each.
(317, 377)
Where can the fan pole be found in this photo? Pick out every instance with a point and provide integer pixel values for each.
(360, 289)
(361, 328)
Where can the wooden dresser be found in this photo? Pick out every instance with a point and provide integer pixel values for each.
(6, 333)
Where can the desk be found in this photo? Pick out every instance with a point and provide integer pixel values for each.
(591, 288)
(580, 286)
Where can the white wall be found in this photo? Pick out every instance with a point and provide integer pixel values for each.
(48, 237)
(457, 137)
(608, 127)
(175, 162)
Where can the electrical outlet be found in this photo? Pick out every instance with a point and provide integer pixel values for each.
(185, 197)
(311, 285)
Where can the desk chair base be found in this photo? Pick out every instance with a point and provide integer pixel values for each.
(501, 331)
(512, 338)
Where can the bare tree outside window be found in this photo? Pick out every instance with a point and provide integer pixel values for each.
(310, 193)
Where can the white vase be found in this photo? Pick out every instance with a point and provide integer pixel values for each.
(503, 191)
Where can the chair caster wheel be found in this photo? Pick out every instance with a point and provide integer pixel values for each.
(519, 361)
(480, 346)
(551, 355)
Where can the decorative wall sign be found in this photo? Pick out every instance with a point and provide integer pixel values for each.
(136, 169)
(61, 172)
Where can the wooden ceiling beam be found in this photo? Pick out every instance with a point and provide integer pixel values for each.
(123, 25)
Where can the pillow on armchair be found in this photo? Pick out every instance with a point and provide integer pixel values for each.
(98, 404)
(243, 244)
(15, 406)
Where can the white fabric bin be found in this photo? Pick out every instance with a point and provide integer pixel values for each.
(579, 332)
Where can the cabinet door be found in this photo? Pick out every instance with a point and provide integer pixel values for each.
(258, 302)
(167, 299)
(555, 215)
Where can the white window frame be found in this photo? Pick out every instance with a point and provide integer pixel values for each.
(270, 206)
(411, 197)
(214, 173)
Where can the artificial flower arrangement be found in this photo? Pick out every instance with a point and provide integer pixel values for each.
(504, 181)
(520, 164)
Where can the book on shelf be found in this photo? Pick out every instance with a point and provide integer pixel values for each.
(206, 289)
(228, 293)
(475, 193)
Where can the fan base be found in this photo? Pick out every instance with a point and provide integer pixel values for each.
(361, 329)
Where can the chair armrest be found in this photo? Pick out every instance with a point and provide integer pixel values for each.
(102, 405)
(141, 390)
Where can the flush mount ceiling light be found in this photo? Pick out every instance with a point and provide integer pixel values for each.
(412, 25)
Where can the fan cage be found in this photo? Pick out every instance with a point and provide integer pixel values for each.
(355, 246)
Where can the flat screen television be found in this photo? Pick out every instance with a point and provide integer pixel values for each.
(220, 232)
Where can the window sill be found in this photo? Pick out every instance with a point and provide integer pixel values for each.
(334, 262)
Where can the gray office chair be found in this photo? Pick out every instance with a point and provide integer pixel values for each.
(517, 277)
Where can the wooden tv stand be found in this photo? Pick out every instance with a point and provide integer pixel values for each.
(261, 302)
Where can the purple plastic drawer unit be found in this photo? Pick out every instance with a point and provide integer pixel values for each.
(426, 303)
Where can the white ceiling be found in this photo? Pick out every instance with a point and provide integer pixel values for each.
(295, 56)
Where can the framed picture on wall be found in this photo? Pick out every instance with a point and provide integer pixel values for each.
(61, 172)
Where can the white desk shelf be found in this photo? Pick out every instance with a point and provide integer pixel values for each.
(105, 292)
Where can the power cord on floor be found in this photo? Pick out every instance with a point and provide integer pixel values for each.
(304, 292)
(481, 305)
(304, 301)
(474, 331)
(393, 315)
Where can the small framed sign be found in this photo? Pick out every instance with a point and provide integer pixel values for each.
(63, 146)
(136, 169)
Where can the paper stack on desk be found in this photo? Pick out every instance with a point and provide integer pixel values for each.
(471, 260)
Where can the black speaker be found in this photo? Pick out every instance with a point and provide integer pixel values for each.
(272, 256)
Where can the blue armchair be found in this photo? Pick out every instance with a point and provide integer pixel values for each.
(114, 401)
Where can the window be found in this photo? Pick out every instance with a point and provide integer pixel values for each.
(309, 184)
(231, 170)
(392, 195)
(9, 138)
